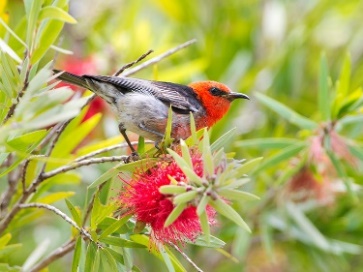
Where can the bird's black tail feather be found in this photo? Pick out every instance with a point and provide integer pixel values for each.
(71, 78)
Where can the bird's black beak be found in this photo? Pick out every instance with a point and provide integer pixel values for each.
(232, 96)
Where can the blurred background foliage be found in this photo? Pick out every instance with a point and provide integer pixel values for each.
(271, 47)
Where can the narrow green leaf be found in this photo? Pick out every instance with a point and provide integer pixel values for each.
(48, 35)
(4, 240)
(168, 129)
(247, 167)
(108, 262)
(281, 156)
(174, 214)
(287, 113)
(223, 208)
(145, 240)
(3, 157)
(52, 12)
(208, 165)
(97, 261)
(323, 94)
(237, 195)
(307, 226)
(120, 242)
(185, 153)
(204, 223)
(117, 256)
(344, 79)
(166, 258)
(122, 167)
(172, 189)
(32, 20)
(224, 140)
(6, 48)
(76, 214)
(54, 197)
(202, 205)
(214, 242)
(193, 130)
(267, 143)
(12, 32)
(115, 226)
(141, 145)
(77, 254)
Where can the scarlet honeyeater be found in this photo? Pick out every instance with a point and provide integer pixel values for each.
(142, 105)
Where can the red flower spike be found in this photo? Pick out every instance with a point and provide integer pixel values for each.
(142, 197)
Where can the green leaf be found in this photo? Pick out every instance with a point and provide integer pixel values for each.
(4, 240)
(122, 167)
(115, 226)
(28, 141)
(76, 213)
(344, 79)
(185, 153)
(267, 143)
(120, 242)
(90, 256)
(6, 48)
(323, 94)
(99, 212)
(108, 262)
(166, 258)
(32, 15)
(307, 226)
(185, 197)
(77, 254)
(238, 195)
(202, 205)
(48, 35)
(168, 129)
(54, 197)
(141, 145)
(204, 223)
(208, 165)
(144, 240)
(52, 12)
(287, 113)
(214, 242)
(97, 261)
(224, 140)
(281, 156)
(247, 167)
(223, 208)
(174, 214)
(172, 189)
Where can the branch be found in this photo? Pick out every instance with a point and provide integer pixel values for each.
(56, 254)
(123, 68)
(66, 218)
(106, 149)
(186, 257)
(81, 163)
(158, 58)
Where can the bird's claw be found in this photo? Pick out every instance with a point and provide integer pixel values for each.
(133, 157)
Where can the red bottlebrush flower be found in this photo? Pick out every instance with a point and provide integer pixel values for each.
(143, 199)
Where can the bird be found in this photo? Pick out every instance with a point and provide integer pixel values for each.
(142, 106)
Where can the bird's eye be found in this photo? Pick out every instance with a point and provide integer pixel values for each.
(215, 91)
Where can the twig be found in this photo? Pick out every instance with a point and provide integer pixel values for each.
(158, 58)
(20, 94)
(90, 204)
(81, 163)
(66, 218)
(123, 68)
(106, 149)
(56, 254)
(186, 257)
(13, 178)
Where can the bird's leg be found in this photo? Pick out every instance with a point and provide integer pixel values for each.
(123, 133)
(143, 127)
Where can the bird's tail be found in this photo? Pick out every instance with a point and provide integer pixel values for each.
(71, 78)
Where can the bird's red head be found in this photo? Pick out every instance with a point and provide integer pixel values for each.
(216, 99)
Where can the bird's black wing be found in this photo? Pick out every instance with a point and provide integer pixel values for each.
(181, 98)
